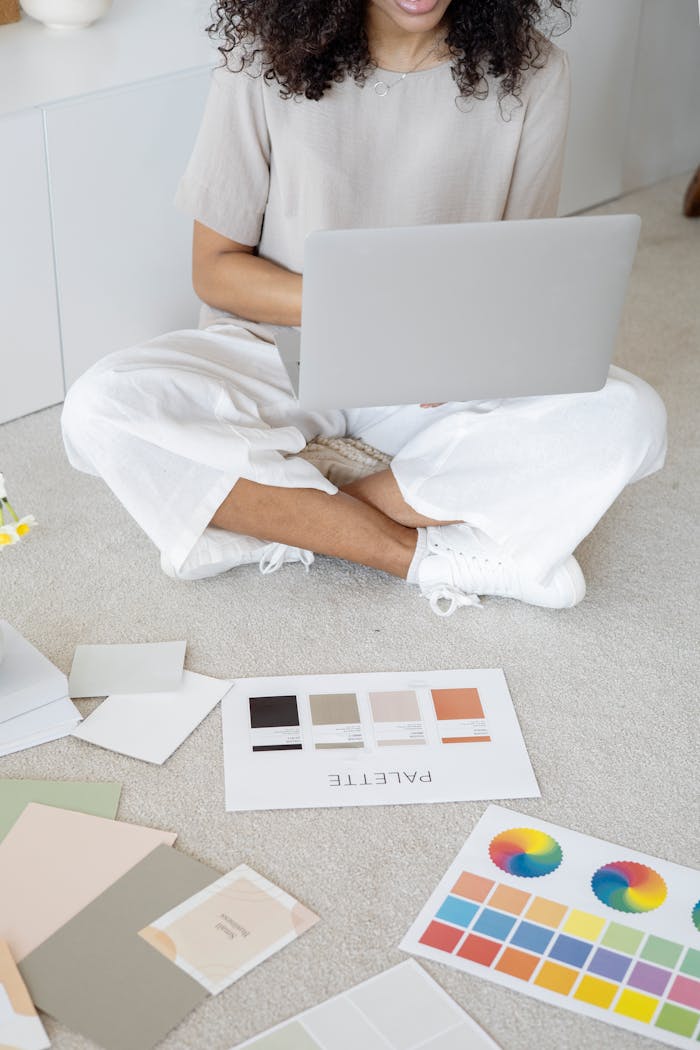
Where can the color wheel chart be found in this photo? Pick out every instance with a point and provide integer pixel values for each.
(572, 920)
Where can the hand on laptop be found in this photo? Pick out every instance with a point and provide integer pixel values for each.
(433, 404)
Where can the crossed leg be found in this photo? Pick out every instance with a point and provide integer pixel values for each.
(368, 522)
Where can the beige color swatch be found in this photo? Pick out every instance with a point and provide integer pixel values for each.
(53, 862)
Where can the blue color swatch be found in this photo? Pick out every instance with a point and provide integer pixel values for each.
(533, 938)
(494, 924)
(570, 950)
(457, 911)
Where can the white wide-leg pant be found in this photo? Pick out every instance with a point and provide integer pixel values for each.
(172, 424)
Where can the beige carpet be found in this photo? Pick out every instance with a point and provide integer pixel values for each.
(606, 693)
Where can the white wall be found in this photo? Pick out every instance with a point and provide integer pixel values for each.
(663, 135)
(602, 47)
(635, 111)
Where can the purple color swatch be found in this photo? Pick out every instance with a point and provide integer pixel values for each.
(609, 964)
(649, 978)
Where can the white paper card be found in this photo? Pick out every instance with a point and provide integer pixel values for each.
(147, 667)
(27, 679)
(296, 742)
(400, 1009)
(49, 722)
(153, 725)
(604, 931)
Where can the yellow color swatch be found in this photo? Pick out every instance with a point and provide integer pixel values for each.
(556, 978)
(635, 1004)
(595, 991)
(581, 924)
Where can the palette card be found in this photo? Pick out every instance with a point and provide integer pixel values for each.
(151, 726)
(98, 977)
(20, 1027)
(400, 1009)
(53, 862)
(144, 667)
(99, 799)
(575, 921)
(27, 679)
(229, 928)
(50, 722)
(373, 739)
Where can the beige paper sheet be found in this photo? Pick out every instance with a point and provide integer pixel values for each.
(53, 862)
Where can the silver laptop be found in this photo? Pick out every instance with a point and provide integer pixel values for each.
(415, 314)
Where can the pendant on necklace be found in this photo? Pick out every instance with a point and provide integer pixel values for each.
(380, 88)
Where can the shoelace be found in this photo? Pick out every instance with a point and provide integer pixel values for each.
(273, 558)
(455, 597)
(486, 576)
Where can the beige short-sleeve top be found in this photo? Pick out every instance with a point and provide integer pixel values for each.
(266, 171)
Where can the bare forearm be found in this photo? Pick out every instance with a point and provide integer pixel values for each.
(251, 287)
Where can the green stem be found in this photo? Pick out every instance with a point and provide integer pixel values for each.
(10, 508)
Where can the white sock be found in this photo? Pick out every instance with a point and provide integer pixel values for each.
(420, 553)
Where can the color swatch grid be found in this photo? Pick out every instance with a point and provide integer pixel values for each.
(393, 718)
(569, 952)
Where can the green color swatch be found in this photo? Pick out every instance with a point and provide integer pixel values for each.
(665, 953)
(676, 1019)
(622, 938)
(99, 800)
(691, 963)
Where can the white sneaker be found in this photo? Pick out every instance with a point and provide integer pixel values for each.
(217, 551)
(460, 566)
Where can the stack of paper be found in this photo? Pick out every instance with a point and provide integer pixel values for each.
(34, 703)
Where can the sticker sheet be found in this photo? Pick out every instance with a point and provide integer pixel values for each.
(572, 920)
(228, 928)
(400, 1009)
(373, 739)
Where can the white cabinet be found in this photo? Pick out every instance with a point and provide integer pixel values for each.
(30, 351)
(123, 254)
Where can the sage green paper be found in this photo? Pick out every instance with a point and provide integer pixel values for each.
(97, 799)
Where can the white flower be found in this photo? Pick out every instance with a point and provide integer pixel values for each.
(8, 535)
(17, 528)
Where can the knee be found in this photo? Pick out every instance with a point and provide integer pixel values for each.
(640, 416)
(83, 408)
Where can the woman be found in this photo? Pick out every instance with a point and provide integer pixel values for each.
(360, 114)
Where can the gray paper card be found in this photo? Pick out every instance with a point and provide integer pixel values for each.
(144, 667)
(98, 977)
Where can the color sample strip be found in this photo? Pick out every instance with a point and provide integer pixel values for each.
(460, 716)
(274, 723)
(336, 720)
(397, 718)
(571, 953)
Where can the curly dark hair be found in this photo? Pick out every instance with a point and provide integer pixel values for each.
(306, 45)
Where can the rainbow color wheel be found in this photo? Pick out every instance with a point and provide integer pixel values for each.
(696, 916)
(627, 886)
(525, 852)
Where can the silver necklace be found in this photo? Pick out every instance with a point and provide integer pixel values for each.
(382, 88)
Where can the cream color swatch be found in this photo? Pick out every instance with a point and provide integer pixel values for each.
(228, 928)
(53, 862)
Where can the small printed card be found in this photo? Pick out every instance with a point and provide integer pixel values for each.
(224, 931)
(20, 1027)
